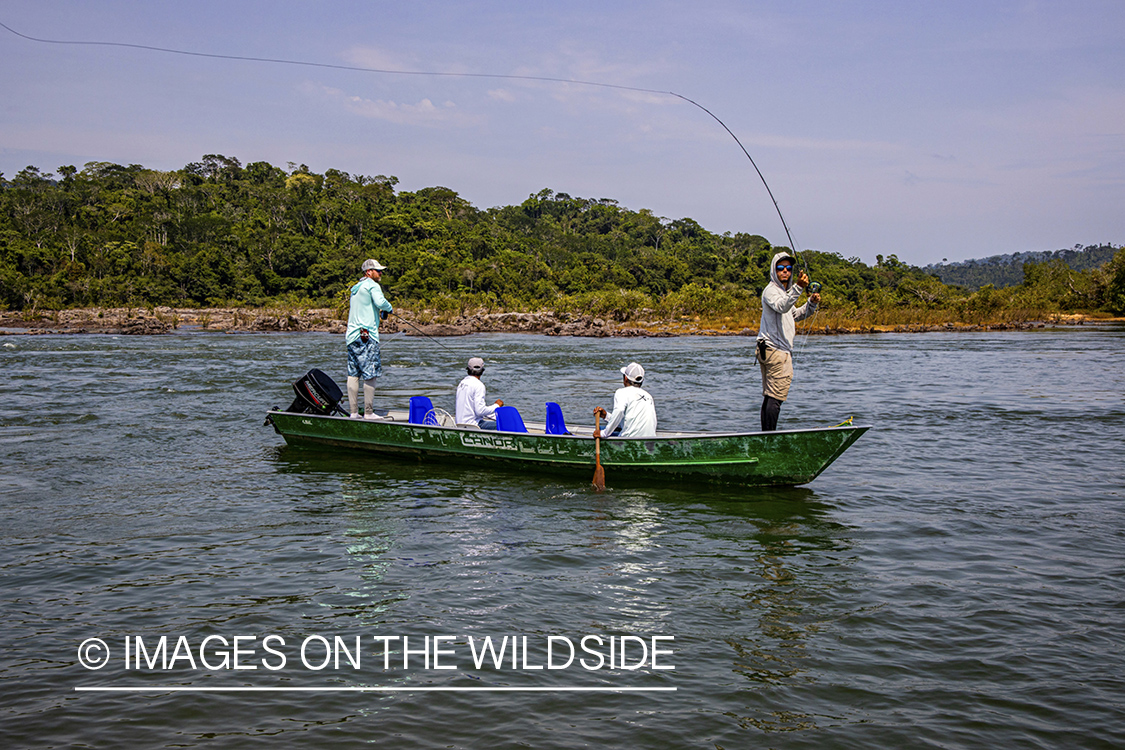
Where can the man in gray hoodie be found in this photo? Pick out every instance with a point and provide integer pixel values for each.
(776, 332)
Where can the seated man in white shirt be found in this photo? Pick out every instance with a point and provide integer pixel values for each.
(633, 407)
(472, 411)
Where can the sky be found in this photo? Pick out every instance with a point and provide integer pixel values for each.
(927, 130)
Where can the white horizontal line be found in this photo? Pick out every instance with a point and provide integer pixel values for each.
(187, 689)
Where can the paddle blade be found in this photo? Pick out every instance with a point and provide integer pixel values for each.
(599, 472)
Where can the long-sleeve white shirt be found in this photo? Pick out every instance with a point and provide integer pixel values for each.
(635, 410)
(471, 408)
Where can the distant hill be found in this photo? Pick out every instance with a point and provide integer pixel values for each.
(1007, 270)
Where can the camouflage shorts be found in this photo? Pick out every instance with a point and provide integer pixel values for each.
(363, 359)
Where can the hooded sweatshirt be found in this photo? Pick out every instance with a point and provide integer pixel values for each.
(779, 318)
(366, 301)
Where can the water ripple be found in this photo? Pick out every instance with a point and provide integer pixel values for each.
(954, 580)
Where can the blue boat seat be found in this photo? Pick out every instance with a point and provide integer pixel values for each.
(556, 425)
(419, 407)
(509, 420)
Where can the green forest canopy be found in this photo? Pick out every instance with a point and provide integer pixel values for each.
(1007, 270)
(217, 233)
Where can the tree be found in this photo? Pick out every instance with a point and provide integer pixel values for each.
(218, 231)
(1115, 289)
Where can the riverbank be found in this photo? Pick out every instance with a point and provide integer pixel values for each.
(167, 320)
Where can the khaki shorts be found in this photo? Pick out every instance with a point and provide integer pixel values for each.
(777, 373)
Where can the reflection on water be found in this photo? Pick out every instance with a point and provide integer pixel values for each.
(785, 602)
(957, 563)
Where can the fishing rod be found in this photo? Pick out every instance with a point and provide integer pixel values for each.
(813, 287)
(784, 224)
(423, 333)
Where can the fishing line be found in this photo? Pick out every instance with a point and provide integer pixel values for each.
(332, 66)
(392, 337)
(807, 329)
(422, 333)
(385, 71)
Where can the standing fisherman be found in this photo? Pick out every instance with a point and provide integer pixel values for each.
(776, 332)
(362, 337)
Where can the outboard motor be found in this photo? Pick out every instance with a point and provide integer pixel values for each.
(316, 394)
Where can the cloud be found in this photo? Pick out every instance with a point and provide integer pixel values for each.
(1075, 134)
(380, 59)
(370, 57)
(848, 146)
(562, 71)
(424, 112)
(502, 95)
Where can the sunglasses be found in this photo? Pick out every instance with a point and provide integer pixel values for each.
(785, 268)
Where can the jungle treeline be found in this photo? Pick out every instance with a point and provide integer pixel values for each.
(1007, 270)
(217, 233)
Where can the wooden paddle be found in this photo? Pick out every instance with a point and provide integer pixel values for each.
(599, 472)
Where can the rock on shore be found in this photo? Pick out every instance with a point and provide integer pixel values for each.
(164, 320)
(160, 320)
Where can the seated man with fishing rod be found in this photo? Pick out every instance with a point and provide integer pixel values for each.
(471, 409)
(362, 337)
(633, 407)
(776, 332)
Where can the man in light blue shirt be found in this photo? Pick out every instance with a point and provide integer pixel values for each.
(362, 338)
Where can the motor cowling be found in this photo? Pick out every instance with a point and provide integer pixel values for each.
(316, 394)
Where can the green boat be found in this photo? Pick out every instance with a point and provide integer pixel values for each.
(781, 458)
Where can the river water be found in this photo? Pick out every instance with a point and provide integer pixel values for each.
(955, 580)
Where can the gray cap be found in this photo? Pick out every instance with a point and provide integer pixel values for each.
(476, 366)
(634, 372)
(373, 265)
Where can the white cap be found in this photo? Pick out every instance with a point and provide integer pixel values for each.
(476, 366)
(373, 265)
(634, 372)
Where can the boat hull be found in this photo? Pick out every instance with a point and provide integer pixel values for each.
(781, 458)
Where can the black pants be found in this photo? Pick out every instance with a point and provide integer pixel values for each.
(771, 408)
